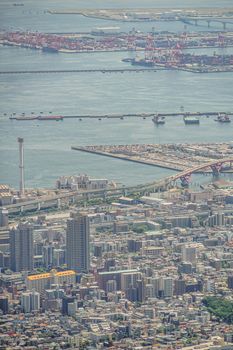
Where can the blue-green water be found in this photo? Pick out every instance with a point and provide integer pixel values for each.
(48, 144)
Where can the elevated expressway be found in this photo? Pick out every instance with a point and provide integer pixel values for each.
(73, 196)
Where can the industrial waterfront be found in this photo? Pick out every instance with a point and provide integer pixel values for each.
(48, 149)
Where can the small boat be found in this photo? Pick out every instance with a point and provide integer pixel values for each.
(158, 119)
(188, 119)
(223, 118)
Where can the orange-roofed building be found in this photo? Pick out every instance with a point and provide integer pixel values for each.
(42, 281)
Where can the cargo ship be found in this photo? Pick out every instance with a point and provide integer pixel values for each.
(40, 117)
(50, 117)
(142, 62)
(158, 119)
(223, 118)
(23, 118)
(191, 120)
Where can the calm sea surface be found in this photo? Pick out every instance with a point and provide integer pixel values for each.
(48, 144)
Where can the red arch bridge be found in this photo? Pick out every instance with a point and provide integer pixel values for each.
(215, 166)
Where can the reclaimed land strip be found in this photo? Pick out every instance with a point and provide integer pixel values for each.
(137, 70)
(157, 164)
(163, 157)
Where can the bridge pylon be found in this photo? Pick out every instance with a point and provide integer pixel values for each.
(185, 180)
(216, 168)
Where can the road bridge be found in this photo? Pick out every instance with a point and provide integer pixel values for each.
(196, 20)
(215, 166)
(155, 186)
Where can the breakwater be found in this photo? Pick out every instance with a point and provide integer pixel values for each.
(142, 115)
(127, 70)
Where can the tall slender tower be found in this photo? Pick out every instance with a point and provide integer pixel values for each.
(21, 166)
(77, 242)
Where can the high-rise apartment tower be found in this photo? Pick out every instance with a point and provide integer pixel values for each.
(21, 248)
(78, 242)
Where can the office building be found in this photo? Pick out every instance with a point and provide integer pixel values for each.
(189, 254)
(4, 304)
(66, 301)
(3, 217)
(77, 242)
(179, 288)
(111, 286)
(168, 287)
(58, 257)
(48, 255)
(21, 248)
(129, 279)
(230, 281)
(30, 301)
(105, 276)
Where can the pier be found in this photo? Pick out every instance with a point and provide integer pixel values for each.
(142, 115)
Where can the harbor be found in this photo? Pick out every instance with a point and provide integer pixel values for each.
(112, 39)
(165, 51)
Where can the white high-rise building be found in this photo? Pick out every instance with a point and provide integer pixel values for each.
(30, 301)
(26, 301)
(129, 280)
(189, 254)
(168, 287)
(156, 282)
(78, 242)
